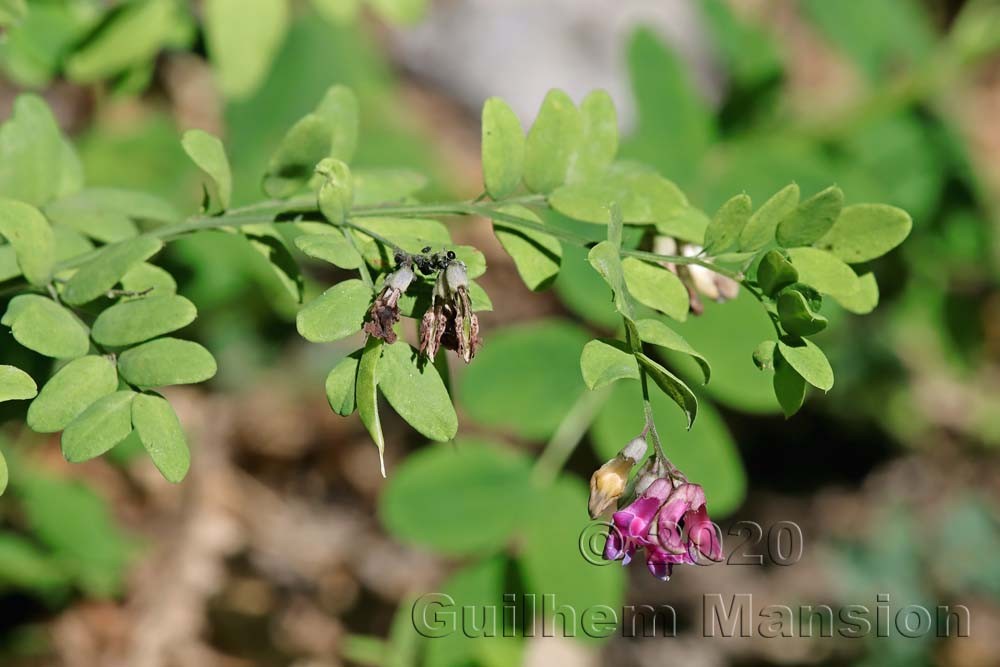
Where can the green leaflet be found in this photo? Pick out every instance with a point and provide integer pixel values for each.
(95, 278)
(645, 198)
(340, 385)
(605, 260)
(864, 232)
(29, 233)
(811, 219)
(37, 164)
(16, 385)
(100, 427)
(606, 361)
(145, 278)
(789, 387)
(166, 361)
(502, 149)
(42, 325)
(337, 313)
(551, 142)
(330, 247)
(809, 361)
(536, 256)
(775, 272)
(73, 389)
(135, 321)
(161, 434)
(723, 233)
(419, 503)
(207, 151)
(828, 274)
(367, 395)
(129, 36)
(796, 315)
(657, 333)
(672, 386)
(599, 138)
(416, 392)
(336, 190)
(763, 224)
(243, 39)
(329, 131)
(657, 287)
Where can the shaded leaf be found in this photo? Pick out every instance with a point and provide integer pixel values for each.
(672, 386)
(796, 316)
(340, 385)
(809, 361)
(416, 392)
(606, 361)
(100, 427)
(763, 224)
(330, 247)
(657, 287)
(209, 154)
(367, 395)
(536, 256)
(657, 333)
(811, 219)
(775, 272)
(723, 233)
(73, 389)
(789, 387)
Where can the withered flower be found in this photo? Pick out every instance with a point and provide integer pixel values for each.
(608, 482)
(385, 311)
(450, 322)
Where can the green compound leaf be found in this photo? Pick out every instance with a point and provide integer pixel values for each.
(95, 278)
(606, 361)
(657, 333)
(132, 322)
(723, 233)
(645, 198)
(37, 164)
(340, 385)
(551, 563)
(145, 278)
(336, 313)
(672, 386)
(606, 261)
(330, 247)
(100, 427)
(552, 142)
(166, 361)
(161, 434)
(809, 361)
(775, 272)
(797, 318)
(864, 232)
(329, 131)
(208, 153)
(16, 385)
(789, 386)
(811, 219)
(73, 389)
(536, 256)
(243, 39)
(657, 287)
(503, 149)
(763, 224)
(367, 395)
(545, 356)
(416, 392)
(420, 504)
(29, 233)
(42, 325)
(599, 140)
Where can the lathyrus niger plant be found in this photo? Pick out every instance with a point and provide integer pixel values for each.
(80, 264)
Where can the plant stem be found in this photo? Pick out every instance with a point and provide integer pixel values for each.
(568, 435)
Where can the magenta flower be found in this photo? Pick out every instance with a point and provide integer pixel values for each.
(631, 525)
(670, 523)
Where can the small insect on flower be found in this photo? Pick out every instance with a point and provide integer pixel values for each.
(450, 322)
(384, 312)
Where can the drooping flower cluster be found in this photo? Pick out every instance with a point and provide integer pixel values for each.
(697, 279)
(449, 322)
(667, 516)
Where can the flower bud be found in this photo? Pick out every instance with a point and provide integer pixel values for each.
(609, 482)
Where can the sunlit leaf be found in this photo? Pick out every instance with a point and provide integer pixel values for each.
(73, 389)
(551, 142)
(503, 149)
(100, 427)
(161, 434)
(166, 361)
